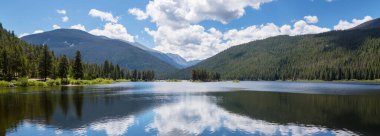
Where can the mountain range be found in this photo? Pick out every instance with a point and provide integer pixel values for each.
(97, 49)
(334, 55)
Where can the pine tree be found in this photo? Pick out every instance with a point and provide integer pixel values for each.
(63, 67)
(106, 69)
(78, 68)
(5, 66)
(45, 64)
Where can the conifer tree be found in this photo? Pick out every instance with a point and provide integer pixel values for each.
(45, 64)
(63, 67)
(78, 68)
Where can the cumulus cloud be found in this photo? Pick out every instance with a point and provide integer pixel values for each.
(61, 11)
(211, 118)
(177, 29)
(114, 127)
(23, 34)
(196, 42)
(65, 19)
(311, 19)
(35, 32)
(79, 27)
(344, 24)
(193, 42)
(140, 15)
(185, 12)
(104, 16)
(56, 26)
(38, 31)
(114, 31)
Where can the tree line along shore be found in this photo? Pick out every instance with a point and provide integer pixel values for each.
(24, 64)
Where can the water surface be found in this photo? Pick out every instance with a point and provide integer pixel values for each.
(184, 108)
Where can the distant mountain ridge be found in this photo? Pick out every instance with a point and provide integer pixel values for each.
(170, 58)
(97, 49)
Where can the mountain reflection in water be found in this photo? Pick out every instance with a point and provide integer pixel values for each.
(143, 109)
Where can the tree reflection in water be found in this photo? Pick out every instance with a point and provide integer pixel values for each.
(117, 111)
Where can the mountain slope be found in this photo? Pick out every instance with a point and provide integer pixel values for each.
(373, 24)
(97, 49)
(336, 55)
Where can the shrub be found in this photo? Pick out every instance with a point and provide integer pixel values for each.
(42, 84)
(65, 81)
(22, 82)
(4, 83)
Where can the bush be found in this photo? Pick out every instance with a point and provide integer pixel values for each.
(42, 84)
(4, 83)
(32, 83)
(102, 81)
(52, 82)
(22, 82)
(65, 81)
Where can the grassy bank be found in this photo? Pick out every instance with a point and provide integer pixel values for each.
(24, 82)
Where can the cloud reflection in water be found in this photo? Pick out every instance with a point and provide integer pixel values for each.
(198, 115)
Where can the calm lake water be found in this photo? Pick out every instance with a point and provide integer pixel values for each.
(184, 108)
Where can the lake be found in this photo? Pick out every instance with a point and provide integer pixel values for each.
(186, 108)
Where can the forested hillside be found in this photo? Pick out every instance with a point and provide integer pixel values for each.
(335, 55)
(19, 59)
(97, 49)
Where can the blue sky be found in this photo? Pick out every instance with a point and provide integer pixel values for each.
(192, 29)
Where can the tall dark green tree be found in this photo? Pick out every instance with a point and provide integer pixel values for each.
(63, 67)
(78, 67)
(45, 64)
(5, 70)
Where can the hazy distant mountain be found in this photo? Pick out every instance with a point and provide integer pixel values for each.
(170, 58)
(181, 61)
(97, 49)
(335, 55)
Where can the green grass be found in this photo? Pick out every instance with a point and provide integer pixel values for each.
(173, 80)
(5, 83)
(235, 81)
(91, 82)
(25, 82)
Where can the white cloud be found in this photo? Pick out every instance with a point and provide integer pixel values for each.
(199, 115)
(23, 34)
(311, 19)
(114, 31)
(344, 24)
(104, 16)
(38, 31)
(61, 11)
(176, 21)
(65, 19)
(179, 13)
(114, 127)
(56, 26)
(140, 15)
(195, 42)
(35, 32)
(79, 27)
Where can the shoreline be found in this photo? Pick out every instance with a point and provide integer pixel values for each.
(73, 83)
